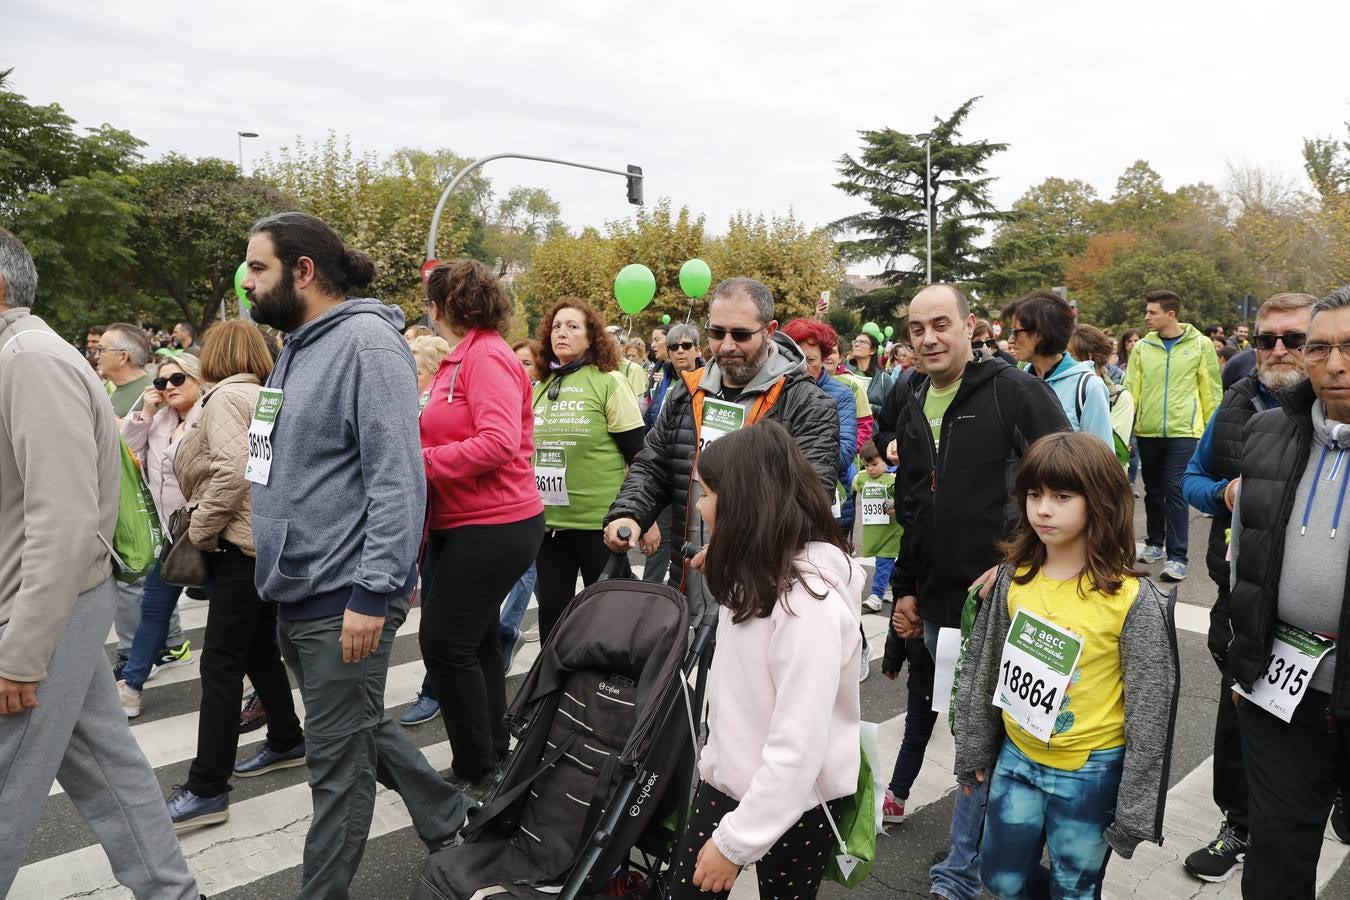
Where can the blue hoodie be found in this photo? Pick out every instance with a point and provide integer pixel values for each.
(339, 523)
(1071, 381)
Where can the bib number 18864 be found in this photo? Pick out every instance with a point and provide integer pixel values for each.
(1028, 687)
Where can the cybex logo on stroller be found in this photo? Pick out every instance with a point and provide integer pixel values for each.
(643, 796)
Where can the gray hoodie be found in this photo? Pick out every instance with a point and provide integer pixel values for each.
(339, 522)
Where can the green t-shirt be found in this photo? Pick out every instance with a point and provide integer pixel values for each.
(124, 398)
(635, 375)
(859, 388)
(935, 406)
(879, 539)
(577, 465)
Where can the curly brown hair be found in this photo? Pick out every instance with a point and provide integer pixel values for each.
(603, 352)
(468, 295)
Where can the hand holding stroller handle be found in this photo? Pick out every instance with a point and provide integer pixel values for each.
(689, 551)
(625, 534)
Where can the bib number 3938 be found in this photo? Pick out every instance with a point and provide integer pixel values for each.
(1294, 655)
(1037, 665)
(874, 505)
(258, 469)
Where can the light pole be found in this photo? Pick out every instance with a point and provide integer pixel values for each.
(927, 139)
(633, 174)
(242, 135)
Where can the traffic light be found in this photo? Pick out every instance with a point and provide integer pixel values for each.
(635, 185)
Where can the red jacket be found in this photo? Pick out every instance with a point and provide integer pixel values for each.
(477, 443)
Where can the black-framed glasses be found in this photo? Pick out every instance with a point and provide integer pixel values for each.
(1320, 352)
(990, 344)
(176, 379)
(1016, 331)
(739, 335)
(683, 345)
(1292, 340)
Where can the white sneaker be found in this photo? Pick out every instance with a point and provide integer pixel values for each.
(130, 698)
(872, 604)
(864, 668)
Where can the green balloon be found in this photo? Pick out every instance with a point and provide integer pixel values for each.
(890, 330)
(665, 320)
(239, 275)
(695, 278)
(634, 288)
(872, 329)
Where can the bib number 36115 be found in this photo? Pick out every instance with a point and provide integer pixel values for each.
(258, 469)
(1294, 655)
(1037, 665)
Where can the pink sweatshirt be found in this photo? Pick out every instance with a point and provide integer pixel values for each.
(783, 706)
(477, 442)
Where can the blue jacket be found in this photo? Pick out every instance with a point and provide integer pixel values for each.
(847, 408)
(339, 522)
(1074, 381)
(1201, 488)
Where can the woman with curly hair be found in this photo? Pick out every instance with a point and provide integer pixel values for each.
(587, 429)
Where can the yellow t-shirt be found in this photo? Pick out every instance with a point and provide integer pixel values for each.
(1092, 713)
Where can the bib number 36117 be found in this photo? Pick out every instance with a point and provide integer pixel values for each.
(1037, 665)
(1294, 655)
(258, 469)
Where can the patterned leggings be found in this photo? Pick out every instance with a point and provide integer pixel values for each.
(791, 870)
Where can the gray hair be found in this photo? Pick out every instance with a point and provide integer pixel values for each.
(1337, 299)
(18, 271)
(750, 289)
(133, 340)
(682, 332)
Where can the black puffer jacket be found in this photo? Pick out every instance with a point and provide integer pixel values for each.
(660, 475)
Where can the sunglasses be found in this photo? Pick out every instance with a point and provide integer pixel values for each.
(739, 335)
(1292, 340)
(176, 379)
(989, 345)
(684, 345)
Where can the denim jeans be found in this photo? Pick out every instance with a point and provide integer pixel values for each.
(1032, 805)
(958, 876)
(513, 611)
(1163, 461)
(158, 601)
(881, 579)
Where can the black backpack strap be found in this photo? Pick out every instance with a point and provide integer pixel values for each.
(1082, 394)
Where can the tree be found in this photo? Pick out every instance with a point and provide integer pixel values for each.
(794, 262)
(1327, 162)
(888, 176)
(1140, 201)
(1048, 225)
(523, 219)
(1118, 292)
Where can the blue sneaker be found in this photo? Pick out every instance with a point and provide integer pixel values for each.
(1150, 554)
(1174, 570)
(424, 709)
(268, 760)
(188, 811)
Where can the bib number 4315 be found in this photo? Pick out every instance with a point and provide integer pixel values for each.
(1294, 656)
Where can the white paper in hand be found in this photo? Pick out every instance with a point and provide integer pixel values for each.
(948, 651)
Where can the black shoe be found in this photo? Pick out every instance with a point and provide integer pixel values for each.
(479, 788)
(1339, 826)
(1219, 859)
(119, 667)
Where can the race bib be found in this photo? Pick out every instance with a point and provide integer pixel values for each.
(1294, 656)
(1037, 665)
(258, 469)
(874, 505)
(837, 510)
(550, 475)
(720, 419)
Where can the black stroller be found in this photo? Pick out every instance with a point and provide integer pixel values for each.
(596, 790)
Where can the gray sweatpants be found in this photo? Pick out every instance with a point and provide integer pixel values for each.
(128, 618)
(350, 742)
(79, 736)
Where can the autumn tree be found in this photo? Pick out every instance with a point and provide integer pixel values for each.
(1048, 225)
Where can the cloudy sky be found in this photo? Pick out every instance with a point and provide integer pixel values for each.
(729, 105)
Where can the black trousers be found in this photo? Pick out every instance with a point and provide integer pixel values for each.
(471, 569)
(793, 867)
(1230, 775)
(1293, 773)
(241, 639)
(562, 555)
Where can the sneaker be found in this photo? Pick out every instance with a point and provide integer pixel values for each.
(531, 635)
(268, 760)
(130, 698)
(424, 708)
(1147, 553)
(1339, 826)
(1173, 570)
(892, 809)
(119, 667)
(253, 715)
(864, 662)
(174, 656)
(479, 789)
(1219, 859)
(873, 604)
(188, 811)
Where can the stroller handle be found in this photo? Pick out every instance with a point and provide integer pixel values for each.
(618, 566)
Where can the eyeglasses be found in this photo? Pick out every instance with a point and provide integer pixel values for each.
(1321, 352)
(111, 350)
(989, 344)
(739, 335)
(1292, 340)
(683, 345)
(1016, 331)
(176, 379)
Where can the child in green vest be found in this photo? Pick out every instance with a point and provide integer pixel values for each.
(875, 488)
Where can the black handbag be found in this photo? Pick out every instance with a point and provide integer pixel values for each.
(180, 562)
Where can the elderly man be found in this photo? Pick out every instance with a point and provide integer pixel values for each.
(1210, 485)
(60, 719)
(1288, 606)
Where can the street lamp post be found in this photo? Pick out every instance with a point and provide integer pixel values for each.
(633, 174)
(242, 135)
(927, 139)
